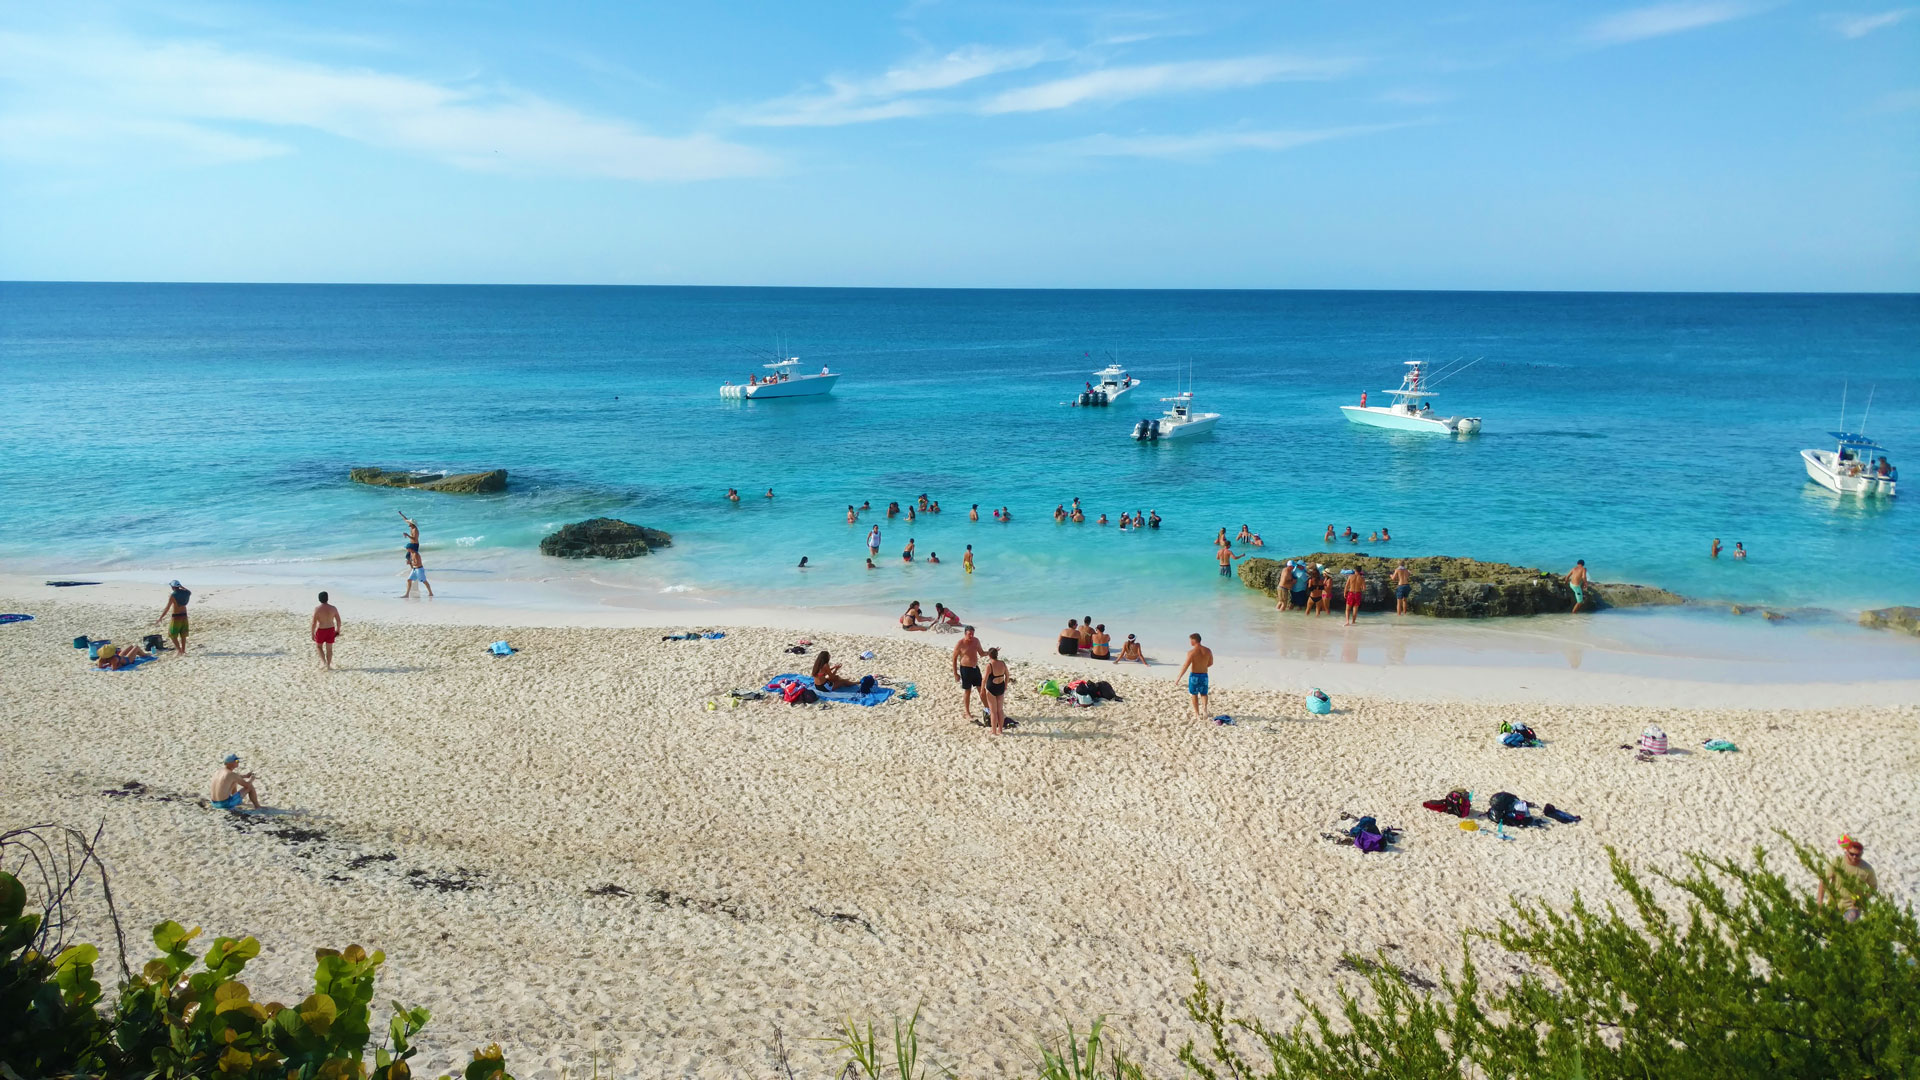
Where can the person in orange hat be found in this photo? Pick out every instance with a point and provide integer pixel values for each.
(1849, 879)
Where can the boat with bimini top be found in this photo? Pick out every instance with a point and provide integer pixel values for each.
(1410, 410)
(1851, 467)
(1114, 381)
(1180, 421)
(785, 381)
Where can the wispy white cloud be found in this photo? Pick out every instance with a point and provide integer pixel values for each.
(76, 96)
(1859, 26)
(1659, 20)
(1124, 83)
(1206, 144)
(892, 94)
(1414, 95)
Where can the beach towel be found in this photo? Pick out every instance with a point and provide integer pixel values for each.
(15, 618)
(501, 648)
(1721, 745)
(130, 664)
(70, 584)
(779, 683)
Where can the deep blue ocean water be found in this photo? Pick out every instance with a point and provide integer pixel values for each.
(169, 425)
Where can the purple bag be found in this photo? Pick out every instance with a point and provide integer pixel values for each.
(1369, 841)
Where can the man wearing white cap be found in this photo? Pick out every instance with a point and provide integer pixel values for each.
(230, 785)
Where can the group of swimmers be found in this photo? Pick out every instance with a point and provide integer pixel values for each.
(1085, 636)
(1072, 512)
(1739, 549)
(1380, 536)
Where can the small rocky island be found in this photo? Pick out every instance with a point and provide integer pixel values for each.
(1446, 587)
(475, 483)
(603, 538)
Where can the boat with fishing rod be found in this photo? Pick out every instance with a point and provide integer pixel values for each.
(1411, 409)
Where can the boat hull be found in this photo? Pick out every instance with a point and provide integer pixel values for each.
(1821, 469)
(1375, 416)
(799, 386)
(1200, 425)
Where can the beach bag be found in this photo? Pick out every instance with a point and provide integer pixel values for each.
(1318, 703)
(1653, 740)
(1049, 688)
(1458, 803)
(1506, 808)
(1082, 695)
(790, 692)
(1104, 691)
(866, 684)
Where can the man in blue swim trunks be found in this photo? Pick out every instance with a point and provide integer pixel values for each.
(230, 785)
(1577, 580)
(1199, 660)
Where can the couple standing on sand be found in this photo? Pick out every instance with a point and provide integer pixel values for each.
(991, 682)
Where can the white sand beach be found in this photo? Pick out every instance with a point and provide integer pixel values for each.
(567, 852)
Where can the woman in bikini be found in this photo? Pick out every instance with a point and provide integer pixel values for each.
(1101, 639)
(1316, 592)
(1130, 650)
(826, 673)
(911, 619)
(995, 691)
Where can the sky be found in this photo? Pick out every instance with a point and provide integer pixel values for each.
(1709, 145)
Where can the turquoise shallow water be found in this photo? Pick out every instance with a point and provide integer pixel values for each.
(168, 425)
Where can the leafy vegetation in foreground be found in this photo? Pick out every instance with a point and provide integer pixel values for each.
(1752, 978)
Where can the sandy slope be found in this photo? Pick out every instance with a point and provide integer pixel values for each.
(786, 866)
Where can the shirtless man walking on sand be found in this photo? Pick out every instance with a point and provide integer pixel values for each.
(1199, 662)
(966, 670)
(325, 626)
(1577, 580)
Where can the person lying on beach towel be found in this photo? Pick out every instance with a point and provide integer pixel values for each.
(114, 658)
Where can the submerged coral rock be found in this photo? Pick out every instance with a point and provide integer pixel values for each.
(1447, 587)
(603, 538)
(1905, 620)
(475, 483)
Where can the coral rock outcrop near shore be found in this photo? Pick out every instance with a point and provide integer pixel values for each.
(603, 538)
(1905, 620)
(1446, 587)
(476, 483)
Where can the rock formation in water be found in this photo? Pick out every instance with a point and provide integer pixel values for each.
(477, 483)
(603, 538)
(1904, 620)
(1447, 587)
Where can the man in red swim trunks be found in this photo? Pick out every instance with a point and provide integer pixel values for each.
(326, 627)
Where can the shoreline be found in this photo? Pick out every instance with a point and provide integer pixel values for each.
(1632, 657)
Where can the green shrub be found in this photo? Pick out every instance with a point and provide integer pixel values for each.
(48, 1022)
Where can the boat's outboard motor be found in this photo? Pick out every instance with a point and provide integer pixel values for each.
(1140, 429)
(1099, 397)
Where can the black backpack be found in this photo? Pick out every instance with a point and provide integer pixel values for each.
(1104, 691)
(1500, 808)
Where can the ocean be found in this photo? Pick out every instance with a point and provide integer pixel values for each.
(169, 426)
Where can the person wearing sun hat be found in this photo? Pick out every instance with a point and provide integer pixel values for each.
(230, 785)
(1849, 879)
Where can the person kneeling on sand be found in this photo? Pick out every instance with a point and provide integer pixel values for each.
(230, 785)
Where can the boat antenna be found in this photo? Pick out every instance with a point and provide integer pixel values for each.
(1869, 412)
(1843, 404)
(1455, 371)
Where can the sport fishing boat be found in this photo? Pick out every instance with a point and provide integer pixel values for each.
(1410, 410)
(1851, 467)
(785, 381)
(1179, 422)
(1114, 381)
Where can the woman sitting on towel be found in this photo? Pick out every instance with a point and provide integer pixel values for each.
(826, 673)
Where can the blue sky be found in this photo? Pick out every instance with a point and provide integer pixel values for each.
(1693, 145)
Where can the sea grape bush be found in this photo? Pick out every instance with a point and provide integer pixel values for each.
(189, 1016)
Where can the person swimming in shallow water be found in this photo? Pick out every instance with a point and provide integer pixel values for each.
(934, 557)
(906, 553)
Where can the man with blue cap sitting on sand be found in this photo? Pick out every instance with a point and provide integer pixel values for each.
(230, 785)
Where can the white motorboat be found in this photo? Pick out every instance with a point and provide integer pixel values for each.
(1410, 410)
(1851, 468)
(1114, 381)
(1179, 422)
(784, 382)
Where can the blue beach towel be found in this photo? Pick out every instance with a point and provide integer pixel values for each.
(850, 697)
(131, 666)
(15, 618)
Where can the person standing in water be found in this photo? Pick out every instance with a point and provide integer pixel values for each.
(1577, 581)
(1226, 556)
(1356, 594)
(966, 670)
(974, 513)
(1199, 662)
(1402, 588)
(1715, 553)
(873, 541)
(325, 627)
(174, 614)
(967, 561)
